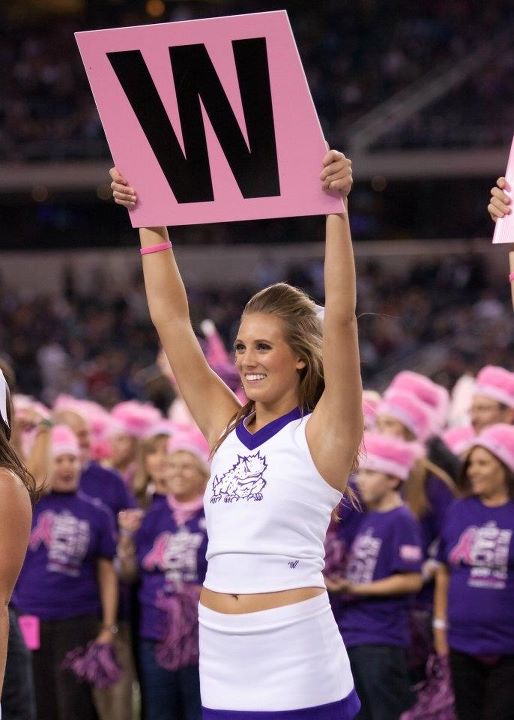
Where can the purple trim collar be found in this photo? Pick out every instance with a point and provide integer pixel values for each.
(254, 440)
(345, 709)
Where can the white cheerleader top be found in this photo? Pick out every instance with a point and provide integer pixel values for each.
(267, 510)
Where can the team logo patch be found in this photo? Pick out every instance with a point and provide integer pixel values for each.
(244, 480)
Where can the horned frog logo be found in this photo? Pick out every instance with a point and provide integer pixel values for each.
(244, 480)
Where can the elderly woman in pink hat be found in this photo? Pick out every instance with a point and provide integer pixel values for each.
(166, 549)
(474, 600)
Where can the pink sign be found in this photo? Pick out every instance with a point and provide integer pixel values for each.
(29, 626)
(209, 120)
(504, 228)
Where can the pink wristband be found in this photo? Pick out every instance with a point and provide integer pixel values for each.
(156, 248)
(511, 277)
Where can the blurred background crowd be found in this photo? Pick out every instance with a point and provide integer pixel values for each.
(356, 57)
(370, 66)
(421, 96)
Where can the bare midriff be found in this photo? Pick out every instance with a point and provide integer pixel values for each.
(253, 602)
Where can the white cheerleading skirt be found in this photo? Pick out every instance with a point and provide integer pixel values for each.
(288, 663)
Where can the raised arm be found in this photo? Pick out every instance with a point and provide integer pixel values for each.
(209, 400)
(336, 426)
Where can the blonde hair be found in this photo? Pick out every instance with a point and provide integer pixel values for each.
(415, 494)
(303, 333)
(142, 478)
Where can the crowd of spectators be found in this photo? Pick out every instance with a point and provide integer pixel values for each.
(356, 55)
(462, 117)
(100, 343)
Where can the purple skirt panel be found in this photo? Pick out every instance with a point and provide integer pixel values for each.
(345, 709)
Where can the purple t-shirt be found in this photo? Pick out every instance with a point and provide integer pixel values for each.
(70, 532)
(168, 555)
(477, 546)
(439, 497)
(106, 485)
(387, 543)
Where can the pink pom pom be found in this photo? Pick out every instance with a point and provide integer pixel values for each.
(179, 645)
(95, 664)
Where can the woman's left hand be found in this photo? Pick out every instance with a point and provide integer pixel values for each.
(337, 173)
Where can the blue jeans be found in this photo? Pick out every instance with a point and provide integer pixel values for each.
(381, 680)
(167, 694)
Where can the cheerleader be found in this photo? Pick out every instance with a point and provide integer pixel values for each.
(269, 645)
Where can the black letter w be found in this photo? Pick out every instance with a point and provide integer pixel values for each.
(188, 174)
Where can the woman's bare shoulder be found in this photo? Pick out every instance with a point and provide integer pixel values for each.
(11, 484)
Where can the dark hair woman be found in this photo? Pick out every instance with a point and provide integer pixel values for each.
(17, 489)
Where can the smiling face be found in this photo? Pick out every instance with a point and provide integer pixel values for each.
(486, 475)
(185, 477)
(64, 477)
(268, 366)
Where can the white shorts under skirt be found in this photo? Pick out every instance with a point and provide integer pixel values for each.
(288, 663)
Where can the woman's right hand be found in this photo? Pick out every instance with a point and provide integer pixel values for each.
(441, 642)
(122, 193)
(500, 202)
(130, 520)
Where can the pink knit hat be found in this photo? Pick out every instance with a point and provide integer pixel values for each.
(407, 409)
(163, 427)
(389, 455)
(496, 383)
(134, 418)
(370, 401)
(97, 418)
(499, 440)
(24, 403)
(434, 396)
(64, 442)
(193, 442)
(459, 439)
